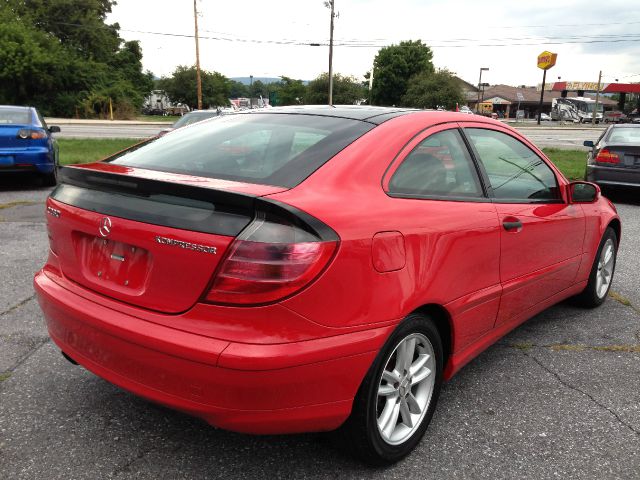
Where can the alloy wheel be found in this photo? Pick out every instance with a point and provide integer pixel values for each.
(606, 264)
(405, 388)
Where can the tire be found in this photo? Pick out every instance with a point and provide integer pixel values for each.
(601, 276)
(50, 179)
(380, 397)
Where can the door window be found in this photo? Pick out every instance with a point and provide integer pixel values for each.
(440, 166)
(516, 173)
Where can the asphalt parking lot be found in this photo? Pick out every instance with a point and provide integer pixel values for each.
(557, 398)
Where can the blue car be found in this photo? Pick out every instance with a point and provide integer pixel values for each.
(26, 143)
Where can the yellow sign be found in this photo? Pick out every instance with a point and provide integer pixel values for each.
(546, 60)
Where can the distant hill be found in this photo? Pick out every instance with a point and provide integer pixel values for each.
(265, 80)
(247, 80)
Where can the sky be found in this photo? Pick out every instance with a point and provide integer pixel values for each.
(270, 39)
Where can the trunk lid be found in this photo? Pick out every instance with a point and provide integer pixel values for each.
(9, 137)
(629, 155)
(145, 239)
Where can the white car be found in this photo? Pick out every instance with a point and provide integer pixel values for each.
(465, 109)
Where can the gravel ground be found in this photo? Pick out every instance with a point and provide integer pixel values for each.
(557, 398)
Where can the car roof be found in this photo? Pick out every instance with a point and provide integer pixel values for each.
(16, 107)
(370, 114)
(625, 125)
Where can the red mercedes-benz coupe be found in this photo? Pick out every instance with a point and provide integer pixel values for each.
(315, 268)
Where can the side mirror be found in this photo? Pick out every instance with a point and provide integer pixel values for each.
(588, 143)
(54, 129)
(583, 192)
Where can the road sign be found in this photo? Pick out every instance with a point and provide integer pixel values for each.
(520, 97)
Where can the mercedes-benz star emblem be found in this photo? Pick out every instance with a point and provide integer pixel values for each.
(105, 226)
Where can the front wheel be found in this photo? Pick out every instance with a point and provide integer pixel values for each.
(397, 398)
(602, 271)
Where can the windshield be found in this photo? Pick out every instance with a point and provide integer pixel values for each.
(194, 117)
(271, 149)
(14, 116)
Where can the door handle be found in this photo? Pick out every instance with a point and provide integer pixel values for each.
(514, 224)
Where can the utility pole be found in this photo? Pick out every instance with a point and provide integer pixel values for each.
(595, 107)
(373, 67)
(482, 69)
(198, 79)
(331, 5)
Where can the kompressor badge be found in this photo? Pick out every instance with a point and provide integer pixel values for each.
(186, 245)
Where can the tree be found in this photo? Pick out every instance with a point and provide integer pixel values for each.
(257, 89)
(394, 66)
(128, 62)
(58, 54)
(288, 92)
(346, 90)
(181, 87)
(238, 89)
(79, 25)
(432, 90)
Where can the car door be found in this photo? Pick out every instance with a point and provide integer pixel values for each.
(450, 229)
(542, 235)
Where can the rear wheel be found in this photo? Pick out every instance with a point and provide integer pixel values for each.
(398, 396)
(50, 179)
(602, 271)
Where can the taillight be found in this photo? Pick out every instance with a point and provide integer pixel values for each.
(270, 260)
(606, 156)
(29, 134)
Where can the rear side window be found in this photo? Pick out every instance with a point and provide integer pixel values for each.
(516, 173)
(440, 166)
(271, 149)
(15, 116)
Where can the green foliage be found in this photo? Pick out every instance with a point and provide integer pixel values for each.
(346, 90)
(394, 66)
(79, 25)
(125, 101)
(288, 92)
(59, 56)
(257, 89)
(238, 89)
(181, 87)
(432, 90)
(128, 62)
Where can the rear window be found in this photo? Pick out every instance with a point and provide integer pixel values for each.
(625, 135)
(15, 116)
(190, 118)
(271, 149)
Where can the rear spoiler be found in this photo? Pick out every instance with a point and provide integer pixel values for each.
(176, 205)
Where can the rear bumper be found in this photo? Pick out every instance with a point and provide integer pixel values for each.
(242, 387)
(613, 177)
(30, 159)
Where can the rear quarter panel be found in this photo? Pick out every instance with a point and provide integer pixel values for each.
(441, 238)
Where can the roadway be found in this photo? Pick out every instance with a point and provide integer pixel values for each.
(552, 135)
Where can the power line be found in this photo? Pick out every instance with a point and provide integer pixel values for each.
(461, 43)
